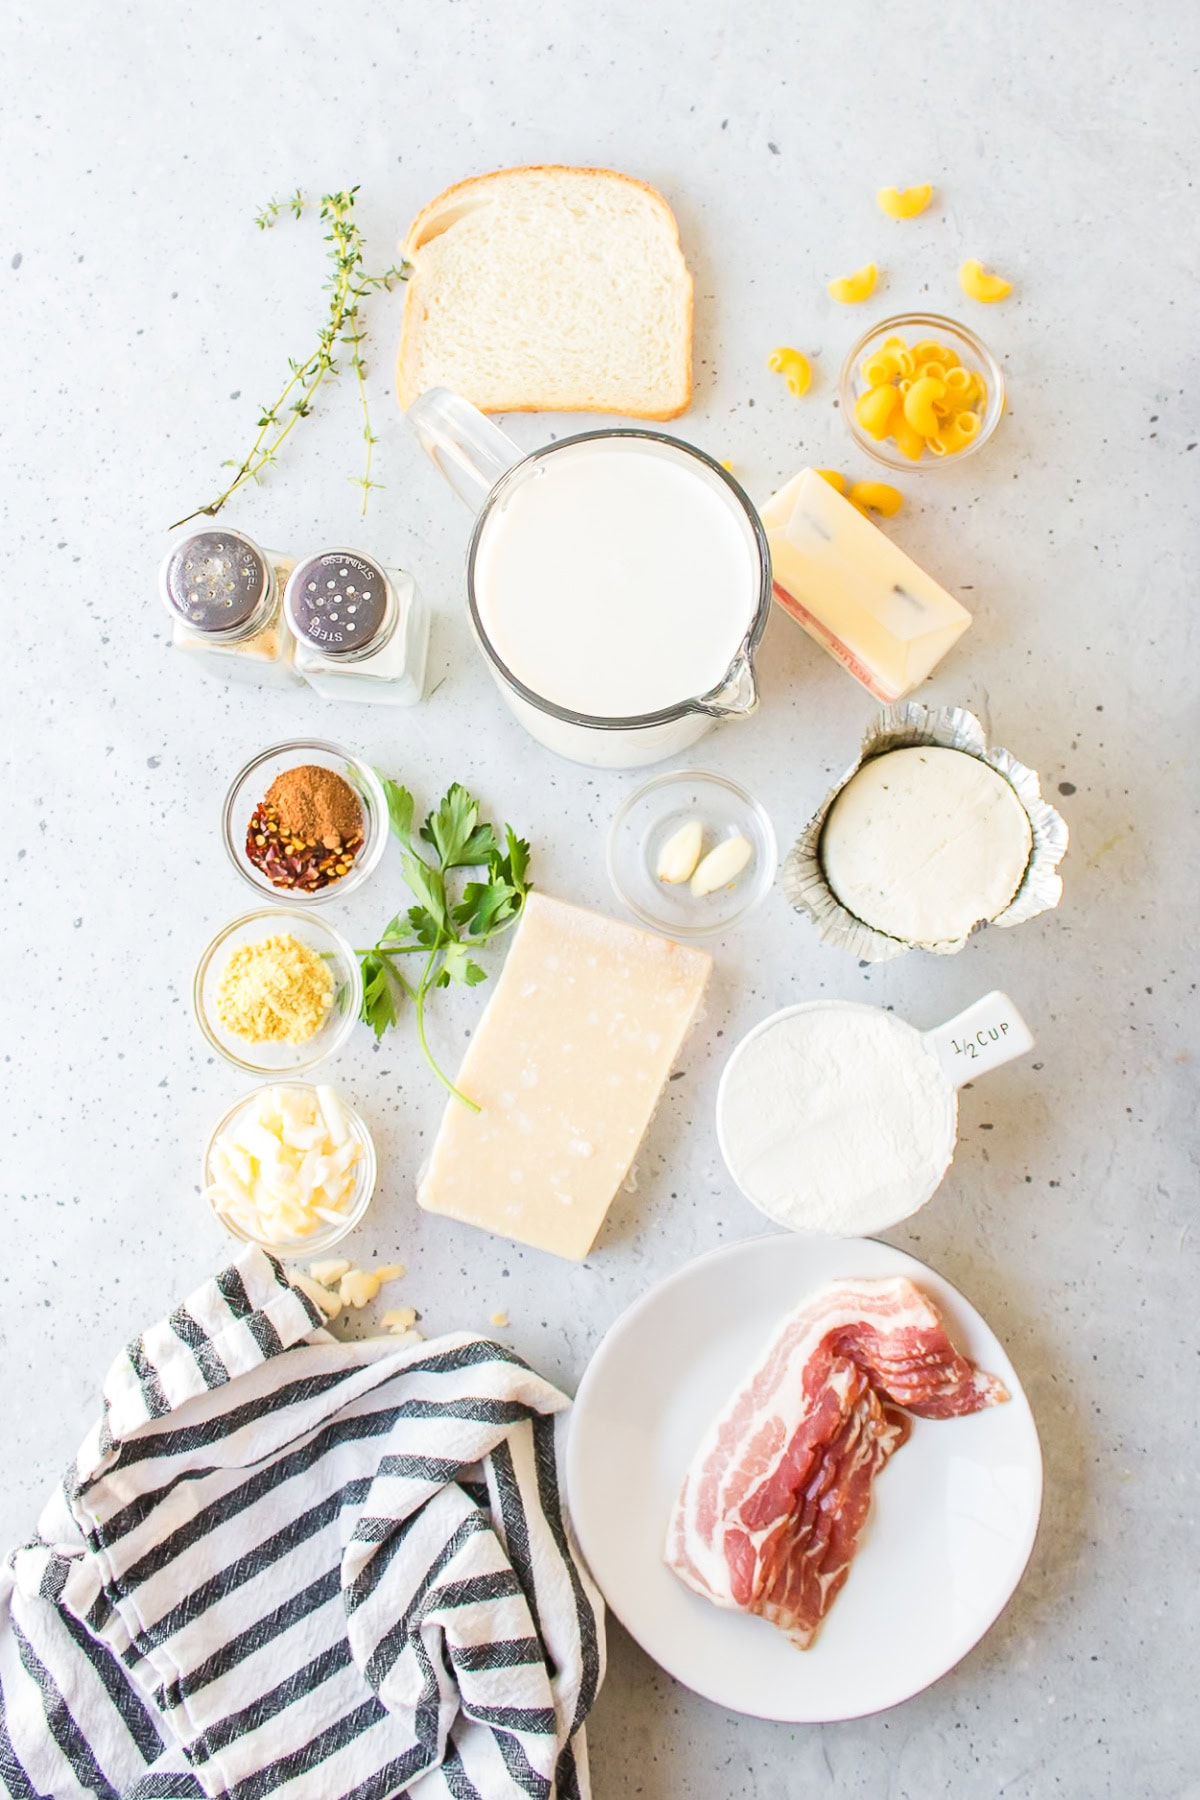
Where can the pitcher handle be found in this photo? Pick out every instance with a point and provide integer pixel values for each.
(469, 450)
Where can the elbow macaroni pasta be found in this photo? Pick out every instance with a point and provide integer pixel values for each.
(908, 440)
(977, 284)
(928, 350)
(919, 403)
(960, 388)
(876, 409)
(904, 203)
(794, 366)
(865, 496)
(877, 496)
(921, 398)
(850, 290)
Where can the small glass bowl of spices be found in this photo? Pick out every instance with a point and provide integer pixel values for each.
(305, 822)
(277, 992)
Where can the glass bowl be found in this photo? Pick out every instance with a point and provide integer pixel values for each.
(972, 352)
(279, 1058)
(250, 785)
(651, 815)
(366, 1170)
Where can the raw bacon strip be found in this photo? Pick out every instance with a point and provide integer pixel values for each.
(775, 1502)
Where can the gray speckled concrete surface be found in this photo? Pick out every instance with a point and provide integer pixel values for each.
(146, 319)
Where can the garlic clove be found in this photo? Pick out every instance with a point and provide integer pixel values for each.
(681, 852)
(722, 866)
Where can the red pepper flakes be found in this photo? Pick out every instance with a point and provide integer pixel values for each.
(296, 863)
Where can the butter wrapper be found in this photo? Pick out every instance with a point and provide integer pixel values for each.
(953, 728)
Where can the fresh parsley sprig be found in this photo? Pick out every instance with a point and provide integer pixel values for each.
(440, 928)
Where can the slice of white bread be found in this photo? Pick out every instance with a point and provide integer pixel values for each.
(549, 290)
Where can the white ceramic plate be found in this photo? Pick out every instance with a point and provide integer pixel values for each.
(955, 1512)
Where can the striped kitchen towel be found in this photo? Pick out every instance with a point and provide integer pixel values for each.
(285, 1565)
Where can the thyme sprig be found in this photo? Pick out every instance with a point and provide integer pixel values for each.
(348, 285)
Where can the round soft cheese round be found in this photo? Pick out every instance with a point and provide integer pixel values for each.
(924, 843)
(836, 1118)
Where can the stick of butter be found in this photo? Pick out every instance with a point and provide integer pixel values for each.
(860, 597)
(567, 1066)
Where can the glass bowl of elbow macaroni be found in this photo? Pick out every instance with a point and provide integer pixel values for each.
(920, 391)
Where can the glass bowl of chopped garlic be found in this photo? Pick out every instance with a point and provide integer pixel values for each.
(291, 1167)
(277, 991)
(919, 391)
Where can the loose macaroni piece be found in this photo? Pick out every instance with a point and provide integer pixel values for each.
(977, 284)
(834, 479)
(904, 203)
(850, 290)
(922, 398)
(876, 496)
(794, 366)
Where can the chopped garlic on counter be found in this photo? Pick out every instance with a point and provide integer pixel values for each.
(321, 1297)
(499, 1319)
(329, 1273)
(401, 1318)
(357, 1288)
(285, 1166)
(360, 1286)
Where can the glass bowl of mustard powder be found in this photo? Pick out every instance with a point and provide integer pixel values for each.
(277, 991)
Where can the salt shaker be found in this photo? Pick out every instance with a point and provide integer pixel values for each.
(361, 631)
(225, 598)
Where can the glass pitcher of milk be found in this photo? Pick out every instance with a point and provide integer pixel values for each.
(618, 582)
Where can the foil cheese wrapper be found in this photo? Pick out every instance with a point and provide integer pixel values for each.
(952, 728)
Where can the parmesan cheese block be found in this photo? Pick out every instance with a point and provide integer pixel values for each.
(860, 597)
(923, 843)
(567, 1067)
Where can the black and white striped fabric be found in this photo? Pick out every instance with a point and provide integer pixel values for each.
(284, 1565)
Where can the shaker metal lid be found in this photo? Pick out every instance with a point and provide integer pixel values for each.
(215, 579)
(337, 601)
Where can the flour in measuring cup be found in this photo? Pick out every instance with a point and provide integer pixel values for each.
(836, 1119)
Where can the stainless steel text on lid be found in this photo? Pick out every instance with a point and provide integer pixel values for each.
(361, 630)
(224, 596)
(618, 582)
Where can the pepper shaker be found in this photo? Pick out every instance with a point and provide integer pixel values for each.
(361, 630)
(225, 598)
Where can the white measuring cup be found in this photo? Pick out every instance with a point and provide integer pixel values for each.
(810, 1148)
